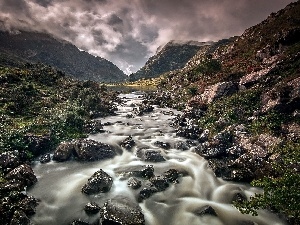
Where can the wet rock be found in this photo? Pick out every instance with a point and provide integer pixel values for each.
(9, 160)
(150, 155)
(64, 151)
(160, 183)
(28, 205)
(144, 108)
(134, 183)
(147, 172)
(38, 144)
(91, 208)
(21, 177)
(121, 211)
(45, 158)
(239, 197)
(204, 136)
(206, 210)
(146, 192)
(79, 222)
(171, 175)
(164, 145)
(19, 218)
(98, 182)
(90, 150)
(181, 145)
(128, 143)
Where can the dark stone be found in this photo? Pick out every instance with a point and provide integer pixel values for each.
(239, 197)
(121, 211)
(147, 172)
(160, 183)
(181, 145)
(79, 222)
(171, 175)
(28, 205)
(91, 208)
(146, 192)
(163, 145)
(19, 218)
(150, 155)
(64, 151)
(21, 177)
(128, 143)
(98, 182)
(90, 150)
(134, 183)
(206, 210)
(45, 158)
(144, 108)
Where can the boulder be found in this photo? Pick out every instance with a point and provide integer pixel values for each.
(164, 145)
(90, 150)
(28, 205)
(134, 183)
(98, 182)
(19, 218)
(128, 143)
(146, 192)
(171, 175)
(64, 151)
(91, 208)
(150, 155)
(206, 210)
(160, 183)
(121, 211)
(45, 158)
(21, 177)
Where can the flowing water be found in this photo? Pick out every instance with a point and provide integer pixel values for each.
(59, 185)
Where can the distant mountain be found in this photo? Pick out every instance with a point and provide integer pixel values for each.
(40, 47)
(172, 56)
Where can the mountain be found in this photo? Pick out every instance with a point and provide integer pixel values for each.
(40, 47)
(172, 56)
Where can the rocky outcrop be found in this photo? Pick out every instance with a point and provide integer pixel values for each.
(121, 211)
(64, 151)
(100, 181)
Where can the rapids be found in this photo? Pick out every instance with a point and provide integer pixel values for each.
(59, 184)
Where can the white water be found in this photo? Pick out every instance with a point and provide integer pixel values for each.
(59, 185)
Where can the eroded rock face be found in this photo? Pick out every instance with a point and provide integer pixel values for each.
(121, 211)
(98, 182)
(218, 90)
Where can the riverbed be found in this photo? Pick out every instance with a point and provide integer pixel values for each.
(59, 183)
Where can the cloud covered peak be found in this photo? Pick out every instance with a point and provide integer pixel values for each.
(127, 32)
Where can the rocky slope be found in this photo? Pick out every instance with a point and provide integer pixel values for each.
(172, 56)
(40, 107)
(241, 101)
(40, 47)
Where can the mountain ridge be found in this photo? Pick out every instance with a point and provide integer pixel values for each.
(41, 47)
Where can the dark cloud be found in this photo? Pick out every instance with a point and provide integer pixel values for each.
(128, 31)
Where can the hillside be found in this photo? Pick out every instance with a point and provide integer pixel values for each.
(172, 56)
(241, 101)
(40, 47)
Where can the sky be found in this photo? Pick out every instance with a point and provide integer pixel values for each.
(128, 32)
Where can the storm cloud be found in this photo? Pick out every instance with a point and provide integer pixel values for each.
(128, 32)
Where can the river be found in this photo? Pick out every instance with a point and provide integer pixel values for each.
(59, 184)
